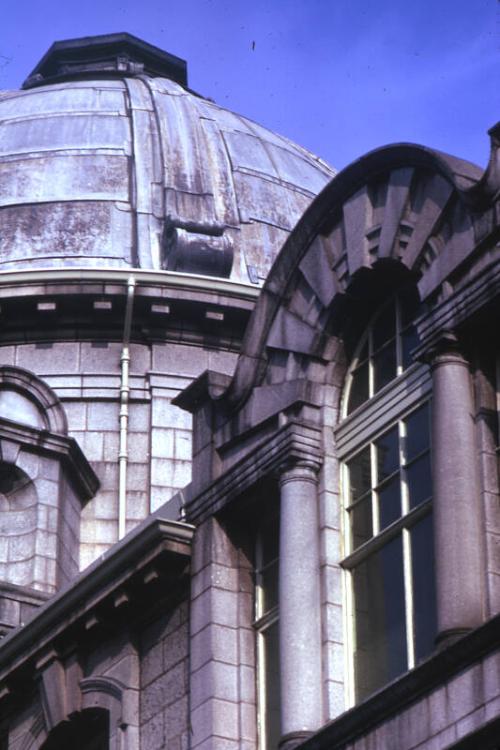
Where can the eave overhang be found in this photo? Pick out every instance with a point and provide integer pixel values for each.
(150, 565)
(69, 303)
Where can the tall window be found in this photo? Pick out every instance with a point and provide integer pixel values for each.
(267, 630)
(387, 490)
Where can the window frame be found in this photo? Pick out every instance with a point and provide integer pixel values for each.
(366, 342)
(264, 619)
(358, 429)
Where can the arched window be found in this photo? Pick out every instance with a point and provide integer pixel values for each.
(384, 352)
(384, 444)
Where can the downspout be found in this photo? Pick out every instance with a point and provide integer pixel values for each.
(124, 401)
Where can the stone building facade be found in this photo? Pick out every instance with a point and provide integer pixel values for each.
(248, 427)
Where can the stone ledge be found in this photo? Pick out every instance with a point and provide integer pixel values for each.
(292, 442)
(154, 555)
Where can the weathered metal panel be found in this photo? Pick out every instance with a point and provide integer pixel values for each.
(164, 158)
(183, 161)
(146, 195)
(298, 171)
(225, 119)
(69, 132)
(258, 243)
(225, 205)
(63, 178)
(49, 231)
(190, 207)
(63, 99)
(263, 200)
(249, 152)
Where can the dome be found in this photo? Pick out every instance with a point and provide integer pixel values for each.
(108, 159)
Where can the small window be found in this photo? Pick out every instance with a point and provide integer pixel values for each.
(384, 352)
(267, 629)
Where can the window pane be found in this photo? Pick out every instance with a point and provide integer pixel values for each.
(361, 522)
(418, 477)
(269, 583)
(409, 341)
(384, 326)
(358, 393)
(417, 432)
(407, 307)
(359, 475)
(384, 366)
(424, 594)
(270, 541)
(380, 627)
(272, 686)
(387, 448)
(363, 354)
(389, 498)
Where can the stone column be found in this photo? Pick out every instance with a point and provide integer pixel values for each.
(457, 511)
(299, 605)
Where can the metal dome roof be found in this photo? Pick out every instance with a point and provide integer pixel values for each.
(107, 161)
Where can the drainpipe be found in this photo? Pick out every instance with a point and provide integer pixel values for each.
(124, 399)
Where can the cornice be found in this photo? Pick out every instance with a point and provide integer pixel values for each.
(446, 318)
(61, 447)
(156, 552)
(294, 442)
(112, 281)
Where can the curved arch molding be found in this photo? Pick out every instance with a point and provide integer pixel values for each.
(430, 215)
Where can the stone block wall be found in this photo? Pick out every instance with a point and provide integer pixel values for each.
(31, 519)
(164, 681)
(24, 725)
(68, 555)
(86, 378)
(222, 669)
(331, 553)
(451, 712)
(17, 605)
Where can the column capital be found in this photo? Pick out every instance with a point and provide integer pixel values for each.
(298, 471)
(445, 350)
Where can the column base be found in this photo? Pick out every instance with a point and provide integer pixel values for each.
(293, 739)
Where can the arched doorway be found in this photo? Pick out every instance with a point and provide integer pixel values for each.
(88, 730)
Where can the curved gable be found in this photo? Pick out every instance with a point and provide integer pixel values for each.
(421, 213)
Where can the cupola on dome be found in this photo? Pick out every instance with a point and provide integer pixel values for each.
(107, 159)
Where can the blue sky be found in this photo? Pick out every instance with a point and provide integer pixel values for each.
(340, 77)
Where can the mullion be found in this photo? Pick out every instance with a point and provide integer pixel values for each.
(399, 343)
(408, 594)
